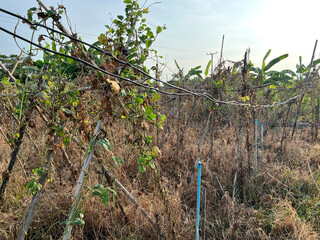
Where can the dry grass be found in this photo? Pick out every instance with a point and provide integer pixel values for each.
(280, 204)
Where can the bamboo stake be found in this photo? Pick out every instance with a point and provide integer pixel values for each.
(211, 139)
(7, 72)
(14, 154)
(27, 132)
(169, 117)
(19, 155)
(34, 202)
(219, 186)
(108, 175)
(77, 193)
(204, 131)
(302, 97)
(237, 167)
(16, 65)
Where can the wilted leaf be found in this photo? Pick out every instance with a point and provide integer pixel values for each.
(115, 88)
(156, 151)
(103, 39)
(144, 125)
(40, 39)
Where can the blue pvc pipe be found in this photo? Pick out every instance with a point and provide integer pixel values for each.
(198, 199)
(262, 155)
(256, 148)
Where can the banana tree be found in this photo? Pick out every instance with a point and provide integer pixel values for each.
(263, 75)
(302, 70)
(194, 74)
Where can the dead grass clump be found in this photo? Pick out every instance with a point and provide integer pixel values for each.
(236, 221)
(287, 225)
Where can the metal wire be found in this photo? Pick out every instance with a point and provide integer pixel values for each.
(186, 91)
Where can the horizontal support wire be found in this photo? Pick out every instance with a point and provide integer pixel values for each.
(187, 92)
(92, 46)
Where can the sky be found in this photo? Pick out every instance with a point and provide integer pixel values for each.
(195, 28)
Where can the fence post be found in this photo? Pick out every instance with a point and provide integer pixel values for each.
(198, 199)
(256, 148)
(262, 154)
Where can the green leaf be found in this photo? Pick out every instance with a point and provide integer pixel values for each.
(148, 43)
(152, 165)
(288, 71)
(111, 190)
(141, 160)
(315, 62)
(159, 30)
(177, 65)
(67, 140)
(116, 160)
(96, 192)
(29, 15)
(78, 221)
(104, 143)
(105, 199)
(146, 10)
(120, 160)
(265, 58)
(98, 186)
(73, 93)
(34, 87)
(207, 68)
(156, 97)
(142, 168)
(67, 222)
(41, 95)
(66, 110)
(51, 12)
(275, 61)
(139, 99)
